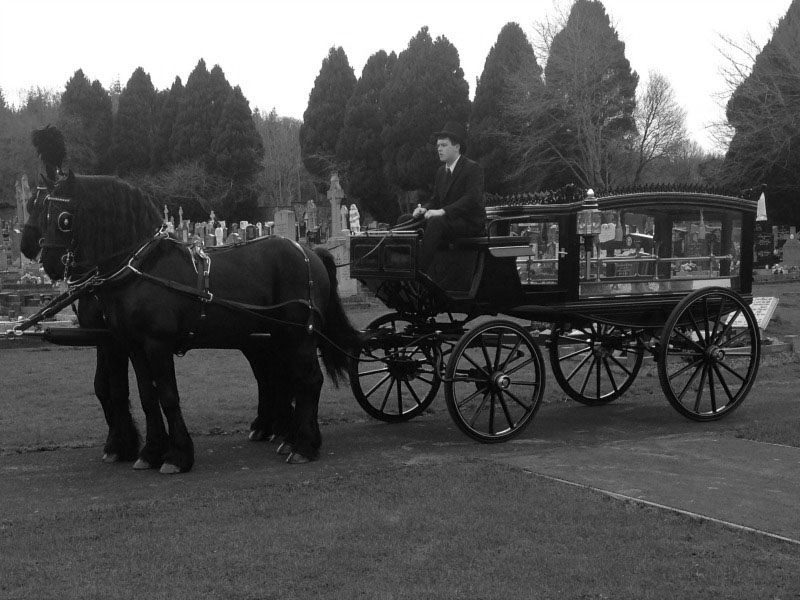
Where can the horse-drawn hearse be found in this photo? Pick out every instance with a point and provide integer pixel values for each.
(600, 281)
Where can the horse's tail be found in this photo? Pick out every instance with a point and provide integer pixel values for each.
(340, 338)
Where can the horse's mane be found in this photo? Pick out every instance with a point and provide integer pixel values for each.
(111, 217)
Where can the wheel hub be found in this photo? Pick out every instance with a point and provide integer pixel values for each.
(403, 367)
(715, 353)
(501, 381)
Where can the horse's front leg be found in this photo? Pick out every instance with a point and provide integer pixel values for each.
(156, 441)
(112, 390)
(179, 457)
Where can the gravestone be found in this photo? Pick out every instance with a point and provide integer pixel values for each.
(285, 224)
(791, 252)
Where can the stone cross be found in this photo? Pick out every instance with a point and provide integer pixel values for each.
(335, 196)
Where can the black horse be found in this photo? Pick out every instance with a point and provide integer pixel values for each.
(273, 299)
(111, 373)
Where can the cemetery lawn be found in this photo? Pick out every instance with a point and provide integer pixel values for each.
(456, 527)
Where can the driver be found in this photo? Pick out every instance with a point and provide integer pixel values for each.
(456, 208)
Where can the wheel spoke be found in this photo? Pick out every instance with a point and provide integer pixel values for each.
(479, 410)
(628, 372)
(386, 395)
(690, 381)
(698, 398)
(731, 371)
(578, 367)
(377, 385)
(724, 383)
(485, 349)
(589, 372)
(476, 365)
(520, 366)
(517, 400)
(373, 371)
(576, 353)
(413, 392)
(511, 355)
(610, 377)
(697, 360)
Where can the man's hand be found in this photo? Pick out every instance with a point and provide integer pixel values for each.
(436, 212)
(418, 212)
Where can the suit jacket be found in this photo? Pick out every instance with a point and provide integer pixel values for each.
(462, 198)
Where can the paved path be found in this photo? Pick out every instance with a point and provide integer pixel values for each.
(738, 482)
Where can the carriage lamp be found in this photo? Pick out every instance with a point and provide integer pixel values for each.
(589, 216)
(589, 225)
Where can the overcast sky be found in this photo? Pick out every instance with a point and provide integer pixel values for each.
(273, 49)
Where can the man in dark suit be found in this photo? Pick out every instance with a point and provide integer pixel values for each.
(456, 208)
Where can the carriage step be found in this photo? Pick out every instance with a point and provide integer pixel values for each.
(67, 336)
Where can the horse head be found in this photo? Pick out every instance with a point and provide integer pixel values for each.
(30, 242)
(52, 218)
(93, 222)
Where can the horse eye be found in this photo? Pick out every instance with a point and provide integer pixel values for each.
(65, 222)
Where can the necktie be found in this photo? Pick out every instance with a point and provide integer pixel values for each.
(448, 174)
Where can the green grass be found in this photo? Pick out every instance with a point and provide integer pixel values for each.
(460, 529)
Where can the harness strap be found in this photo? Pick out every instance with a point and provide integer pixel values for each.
(54, 306)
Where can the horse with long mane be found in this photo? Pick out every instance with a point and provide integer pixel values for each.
(111, 372)
(272, 298)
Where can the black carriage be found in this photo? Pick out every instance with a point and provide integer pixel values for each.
(600, 282)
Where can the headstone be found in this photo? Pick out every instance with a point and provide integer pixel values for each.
(763, 308)
(285, 224)
(791, 252)
(311, 215)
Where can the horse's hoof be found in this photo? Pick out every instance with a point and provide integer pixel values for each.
(168, 469)
(257, 436)
(284, 449)
(110, 457)
(295, 458)
(141, 465)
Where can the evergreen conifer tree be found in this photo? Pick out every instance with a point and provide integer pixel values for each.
(426, 89)
(359, 147)
(237, 149)
(762, 111)
(492, 130)
(85, 118)
(131, 145)
(168, 106)
(323, 119)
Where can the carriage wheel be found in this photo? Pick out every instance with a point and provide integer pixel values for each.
(705, 364)
(494, 381)
(398, 371)
(596, 363)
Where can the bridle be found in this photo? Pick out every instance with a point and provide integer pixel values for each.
(56, 207)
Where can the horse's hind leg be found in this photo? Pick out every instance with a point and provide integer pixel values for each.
(111, 388)
(274, 397)
(306, 380)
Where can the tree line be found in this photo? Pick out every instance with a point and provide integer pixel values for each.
(565, 108)
(568, 110)
(196, 146)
